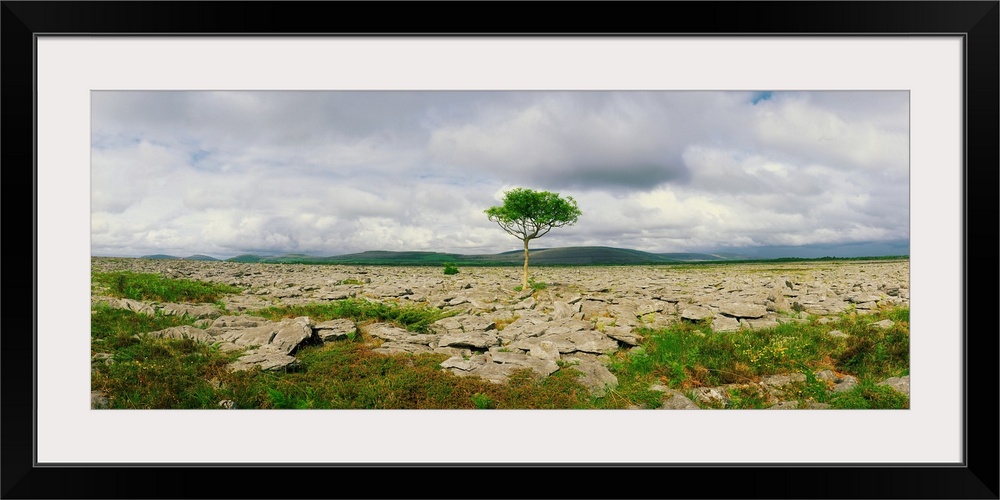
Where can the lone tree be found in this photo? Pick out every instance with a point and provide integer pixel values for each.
(529, 214)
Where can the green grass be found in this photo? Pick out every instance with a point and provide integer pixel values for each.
(411, 317)
(685, 356)
(146, 372)
(535, 285)
(150, 286)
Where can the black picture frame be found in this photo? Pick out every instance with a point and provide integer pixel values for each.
(976, 21)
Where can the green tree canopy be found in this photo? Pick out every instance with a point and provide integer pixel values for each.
(529, 214)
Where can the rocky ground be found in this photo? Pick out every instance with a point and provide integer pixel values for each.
(580, 317)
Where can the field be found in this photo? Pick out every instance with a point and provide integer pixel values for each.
(229, 335)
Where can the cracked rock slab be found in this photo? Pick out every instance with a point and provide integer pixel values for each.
(335, 329)
(596, 377)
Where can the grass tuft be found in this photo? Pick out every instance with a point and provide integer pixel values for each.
(411, 317)
(150, 286)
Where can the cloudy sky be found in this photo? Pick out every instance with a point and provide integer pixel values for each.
(327, 173)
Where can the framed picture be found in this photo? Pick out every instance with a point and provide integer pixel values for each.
(939, 58)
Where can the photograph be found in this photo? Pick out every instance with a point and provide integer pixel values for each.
(354, 250)
(282, 242)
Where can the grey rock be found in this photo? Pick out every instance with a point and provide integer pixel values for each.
(528, 303)
(564, 310)
(335, 329)
(759, 324)
(291, 333)
(546, 350)
(465, 323)
(712, 396)
(224, 322)
(473, 340)
(132, 305)
(725, 324)
(862, 297)
(182, 332)
(98, 400)
(742, 310)
(386, 331)
(267, 361)
(675, 400)
(901, 384)
(783, 380)
(884, 324)
(192, 310)
(839, 383)
(812, 405)
(623, 334)
(695, 313)
(541, 367)
(102, 357)
(845, 383)
(462, 364)
(596, 377)
(785, 405)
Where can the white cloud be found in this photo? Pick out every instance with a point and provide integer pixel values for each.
(327, 173)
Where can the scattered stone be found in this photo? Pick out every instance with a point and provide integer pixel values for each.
(901, 384)
(783, 380)
(884, 324)
(546, 350)
(725, 324)
(335, 329)
(674, 399)
(623, 334)
(742, 310)
(183, 332)
(695, 313)
(785, 405)
(712, 396)
(596, 377)
(102, 357)
(98, 400)
(838, 383)
(192, 310)
(472, 340)
(267, 360)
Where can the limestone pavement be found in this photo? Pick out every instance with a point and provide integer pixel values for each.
(582, 315)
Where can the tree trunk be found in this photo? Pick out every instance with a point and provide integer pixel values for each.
(524, 282)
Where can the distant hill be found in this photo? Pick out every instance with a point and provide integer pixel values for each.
(200, 257)
(161, 256)
(246, 258)
(701, 257)
(565, 256)
(593, 255)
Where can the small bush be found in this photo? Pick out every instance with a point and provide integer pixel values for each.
(535, 285)
(450, 268)
(482, 401)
